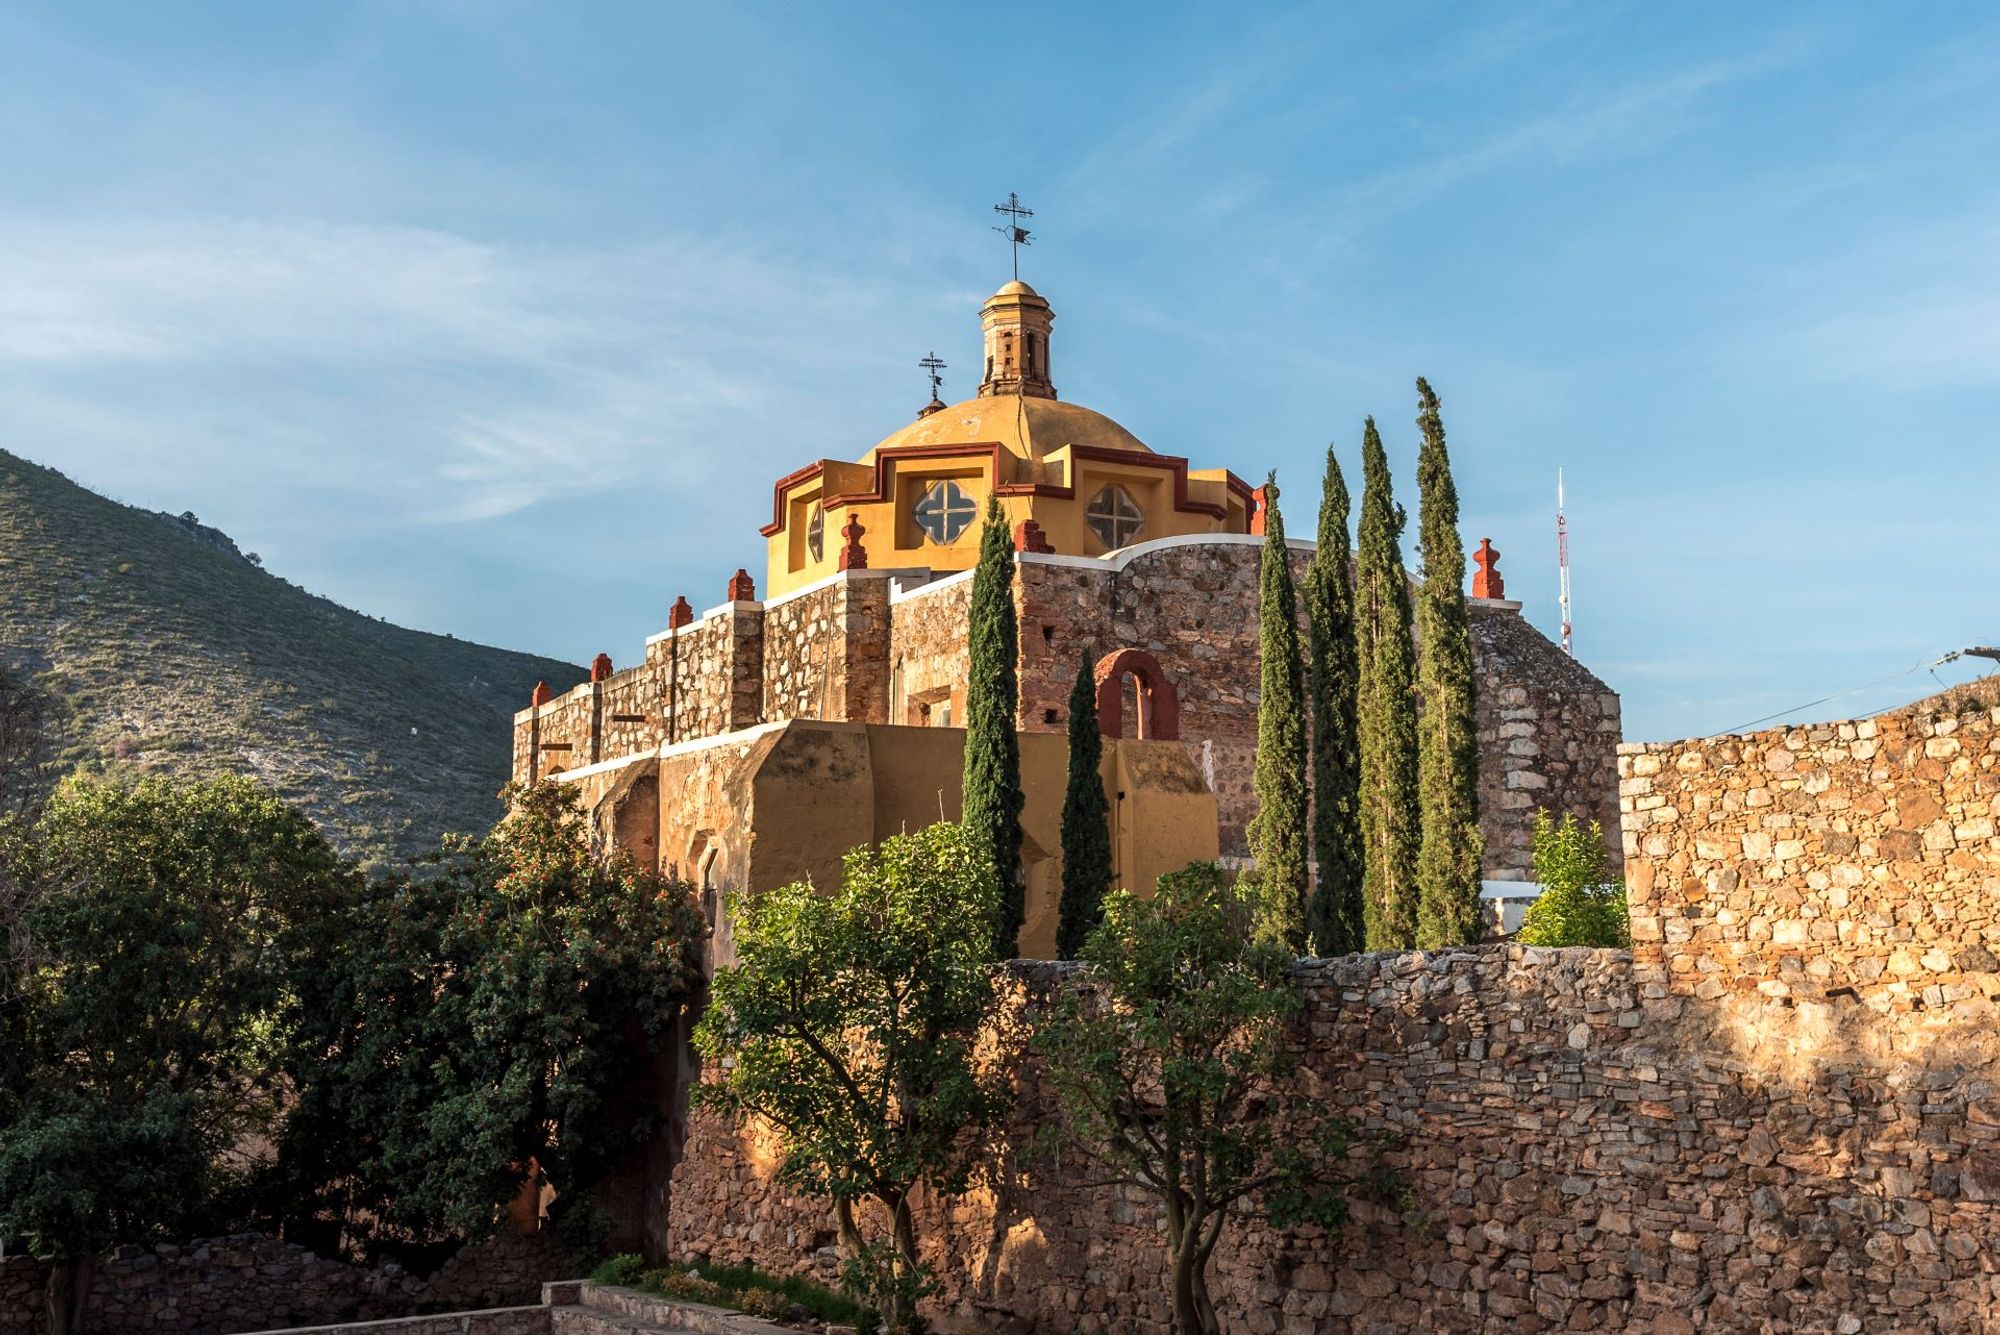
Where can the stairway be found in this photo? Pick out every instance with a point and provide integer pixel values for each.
(585, 1307)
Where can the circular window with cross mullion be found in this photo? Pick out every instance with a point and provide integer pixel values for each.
(1114, 517)
(944, 512)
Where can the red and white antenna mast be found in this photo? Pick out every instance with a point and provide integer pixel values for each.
(1562, 559)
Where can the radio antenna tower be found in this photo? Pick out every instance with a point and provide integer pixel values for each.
(1562, 560)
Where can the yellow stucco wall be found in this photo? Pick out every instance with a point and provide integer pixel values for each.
(1012, 441)
(759, 809)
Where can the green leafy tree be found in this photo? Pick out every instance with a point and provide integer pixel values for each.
(1582, 903)
(1447, 737)
(1086, 822)
(849, 1022)
(1280, 830)
(993, 796)
(1174, 1074)
(158, 932)
(1390, 828)
(1335, 919)
(489, 1016)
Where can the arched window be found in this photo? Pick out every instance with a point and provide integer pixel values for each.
(816, 533)
(1114, 517)
(1159, 703)
(943, 512)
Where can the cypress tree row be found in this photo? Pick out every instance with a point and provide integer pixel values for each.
(1447, 740)
(1086, 822)
(1388, 710)
(1335, 919)
(993, 797)
(1278, 833)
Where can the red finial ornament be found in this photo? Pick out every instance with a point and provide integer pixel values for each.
(742, 589)
(600, 668)
(1486, 581)
(680, 614)
(1028, 537)
(853, 556)
(540, 696)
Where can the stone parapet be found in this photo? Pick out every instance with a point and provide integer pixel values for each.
(1830, 864)
(889, 646)
(1582, 1149)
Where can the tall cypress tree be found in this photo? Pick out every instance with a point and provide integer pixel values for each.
(1086, 822)
(1447, 736)
(1335, 918)
(1388, 709)
(1278, 833)
(993, 797)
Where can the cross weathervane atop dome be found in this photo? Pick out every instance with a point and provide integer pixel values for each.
(932, 364)
(1017, 235)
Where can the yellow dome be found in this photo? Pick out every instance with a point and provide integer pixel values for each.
(1016, 288)
(1029, 428)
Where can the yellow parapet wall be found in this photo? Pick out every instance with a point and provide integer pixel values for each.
(768, 805)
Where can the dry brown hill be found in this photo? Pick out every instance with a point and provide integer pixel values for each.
(165, 648)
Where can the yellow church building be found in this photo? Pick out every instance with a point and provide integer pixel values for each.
(756, 741)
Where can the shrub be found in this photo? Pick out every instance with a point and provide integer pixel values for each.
(1581, 903)
(623, 1269)
(765, 1303)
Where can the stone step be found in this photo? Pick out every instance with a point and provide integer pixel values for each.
(606, 1309)
(585, 1321)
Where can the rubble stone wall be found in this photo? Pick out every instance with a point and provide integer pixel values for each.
(1838, 865)
(826, 653)
(852, 649)
(1781, 1112)
(927, 653)
(250, 1281)
(1548, 738)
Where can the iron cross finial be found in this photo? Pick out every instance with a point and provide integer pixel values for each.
(932, 363)
(1017, 235)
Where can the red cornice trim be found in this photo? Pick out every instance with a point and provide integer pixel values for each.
(778, 490)
(991, 450)
(1170, 461)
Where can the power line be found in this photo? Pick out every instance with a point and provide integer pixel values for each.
(1978, 651)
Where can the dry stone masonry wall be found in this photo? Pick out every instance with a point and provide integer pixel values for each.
(871, 646)
(1780, 1112)
(1835, 866)
(251, 1281)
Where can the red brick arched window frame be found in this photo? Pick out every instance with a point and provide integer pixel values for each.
(1159, 703)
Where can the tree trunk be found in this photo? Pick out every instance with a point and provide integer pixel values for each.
(1190, 1240)
(65, 1292)
(898, 1313)
(905, 1235)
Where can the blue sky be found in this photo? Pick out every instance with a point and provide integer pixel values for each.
(501, 319)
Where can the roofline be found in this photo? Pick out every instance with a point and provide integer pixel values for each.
(992, 450)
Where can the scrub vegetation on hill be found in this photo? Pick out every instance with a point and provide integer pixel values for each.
(163, 648)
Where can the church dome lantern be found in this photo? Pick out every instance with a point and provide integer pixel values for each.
(1016, 320)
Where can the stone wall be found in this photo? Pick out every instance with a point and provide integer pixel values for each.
(826, 653)
(1836, 865)
(1548, 737)
(1782, 1112)
(251, 1281)
(928, 653)
(874, 646)
(1548, 728)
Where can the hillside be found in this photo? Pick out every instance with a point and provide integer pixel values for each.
(169, 650)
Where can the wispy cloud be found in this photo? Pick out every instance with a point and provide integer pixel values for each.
(473, 379)
(1631, 120)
